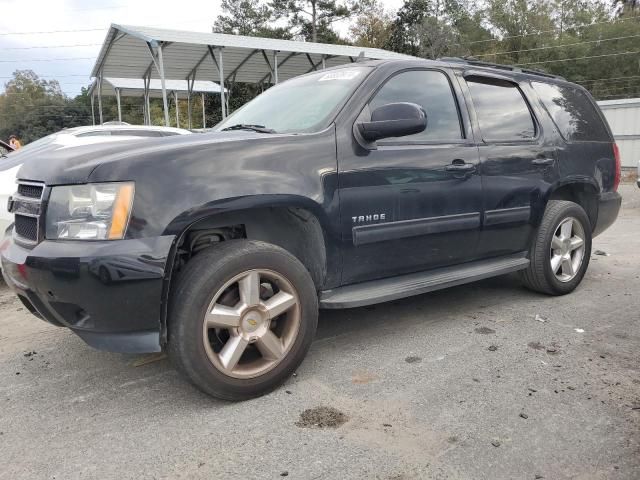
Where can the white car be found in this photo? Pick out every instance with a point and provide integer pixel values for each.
(10, 163)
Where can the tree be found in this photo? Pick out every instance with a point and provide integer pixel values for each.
(32, 107)
(372, 28)
(248, 17)
(519, 23)
(404, 36)
(436, 28)
(314, 18)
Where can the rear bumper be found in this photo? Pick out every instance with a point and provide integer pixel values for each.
(608, 209)
(109, 293)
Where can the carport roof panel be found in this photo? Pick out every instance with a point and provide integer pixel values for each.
(125, 54)
(134, 87)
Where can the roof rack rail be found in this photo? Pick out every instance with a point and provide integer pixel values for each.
(512, 68)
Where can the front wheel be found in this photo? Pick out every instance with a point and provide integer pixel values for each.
(560, 253)
(243, 316)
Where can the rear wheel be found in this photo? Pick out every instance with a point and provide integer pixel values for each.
(561, 249)
(243, 316)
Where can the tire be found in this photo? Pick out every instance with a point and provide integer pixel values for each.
(540, 276)
(216, 279)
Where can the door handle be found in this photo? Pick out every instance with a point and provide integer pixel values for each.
(460, 167)
(542, 162)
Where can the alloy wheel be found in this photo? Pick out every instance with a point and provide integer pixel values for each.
(251, 323)
(567, 249)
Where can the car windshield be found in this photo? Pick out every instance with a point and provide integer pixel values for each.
(299, 105)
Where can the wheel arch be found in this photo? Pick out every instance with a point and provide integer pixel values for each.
(581, 191)
(294, 223)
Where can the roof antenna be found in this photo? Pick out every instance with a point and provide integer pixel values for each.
(361, 57)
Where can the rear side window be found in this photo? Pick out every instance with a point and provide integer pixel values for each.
(431, 90)
(502, 111)
(95, 133)
(137, 133)
(572, 112)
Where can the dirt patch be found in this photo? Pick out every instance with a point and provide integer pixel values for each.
(413, 359)
(362, 378)
(321, 417)
(536, 345)
(484, 330)
(5, 302)
(553, 349)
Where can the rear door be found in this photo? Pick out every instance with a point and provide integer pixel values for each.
(586, 146)
(412, 203)
(518, 161)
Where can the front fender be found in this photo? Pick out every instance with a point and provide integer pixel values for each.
(224, 208)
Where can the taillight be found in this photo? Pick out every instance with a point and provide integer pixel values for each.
(616, 178)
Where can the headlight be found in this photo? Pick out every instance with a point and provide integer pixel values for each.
(98, 211)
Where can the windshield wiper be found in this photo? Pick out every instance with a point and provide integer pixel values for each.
(247, 126)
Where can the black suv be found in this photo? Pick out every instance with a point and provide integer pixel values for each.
(344, 187)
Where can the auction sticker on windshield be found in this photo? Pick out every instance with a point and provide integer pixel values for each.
(345, 74)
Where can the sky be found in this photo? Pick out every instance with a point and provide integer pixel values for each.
(28, 41)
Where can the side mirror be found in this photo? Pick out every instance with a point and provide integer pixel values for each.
(393, 120)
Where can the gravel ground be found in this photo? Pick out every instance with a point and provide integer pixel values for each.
(484, 381)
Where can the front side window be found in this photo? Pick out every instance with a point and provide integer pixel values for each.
(572, 112)
(432, 91)
(300, 105)
(503, 113)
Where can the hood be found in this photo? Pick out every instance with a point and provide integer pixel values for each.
(73, 165)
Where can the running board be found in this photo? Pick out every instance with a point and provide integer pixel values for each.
(386, 289)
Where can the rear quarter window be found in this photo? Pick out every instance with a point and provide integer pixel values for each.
(573, 113)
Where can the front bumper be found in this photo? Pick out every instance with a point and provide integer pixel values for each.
(608, 209)
(109, 293)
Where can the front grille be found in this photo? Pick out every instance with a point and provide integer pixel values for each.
(27, 207)
(30, 191)
(27, 227)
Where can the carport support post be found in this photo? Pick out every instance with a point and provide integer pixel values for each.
(119, 107)
(275, 67)
(146, 106)
(100, 96)
(189, 92)
(189, 109)
(165, 102)
(93, 109)
(204, 117)
(222, 99)
(147, 110)
(175, 97)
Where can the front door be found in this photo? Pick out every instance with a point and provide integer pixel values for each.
(412, 203)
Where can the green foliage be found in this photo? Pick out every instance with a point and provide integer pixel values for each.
(372, 28)
(248, 17)
(314, 19)
(32, 107)
(592, 42)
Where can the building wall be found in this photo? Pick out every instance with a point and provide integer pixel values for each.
(624, 119)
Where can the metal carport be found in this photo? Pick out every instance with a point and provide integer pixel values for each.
(138, 87)
(623, 116)
(147, 53)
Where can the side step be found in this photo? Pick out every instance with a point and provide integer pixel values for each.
(387, 289)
